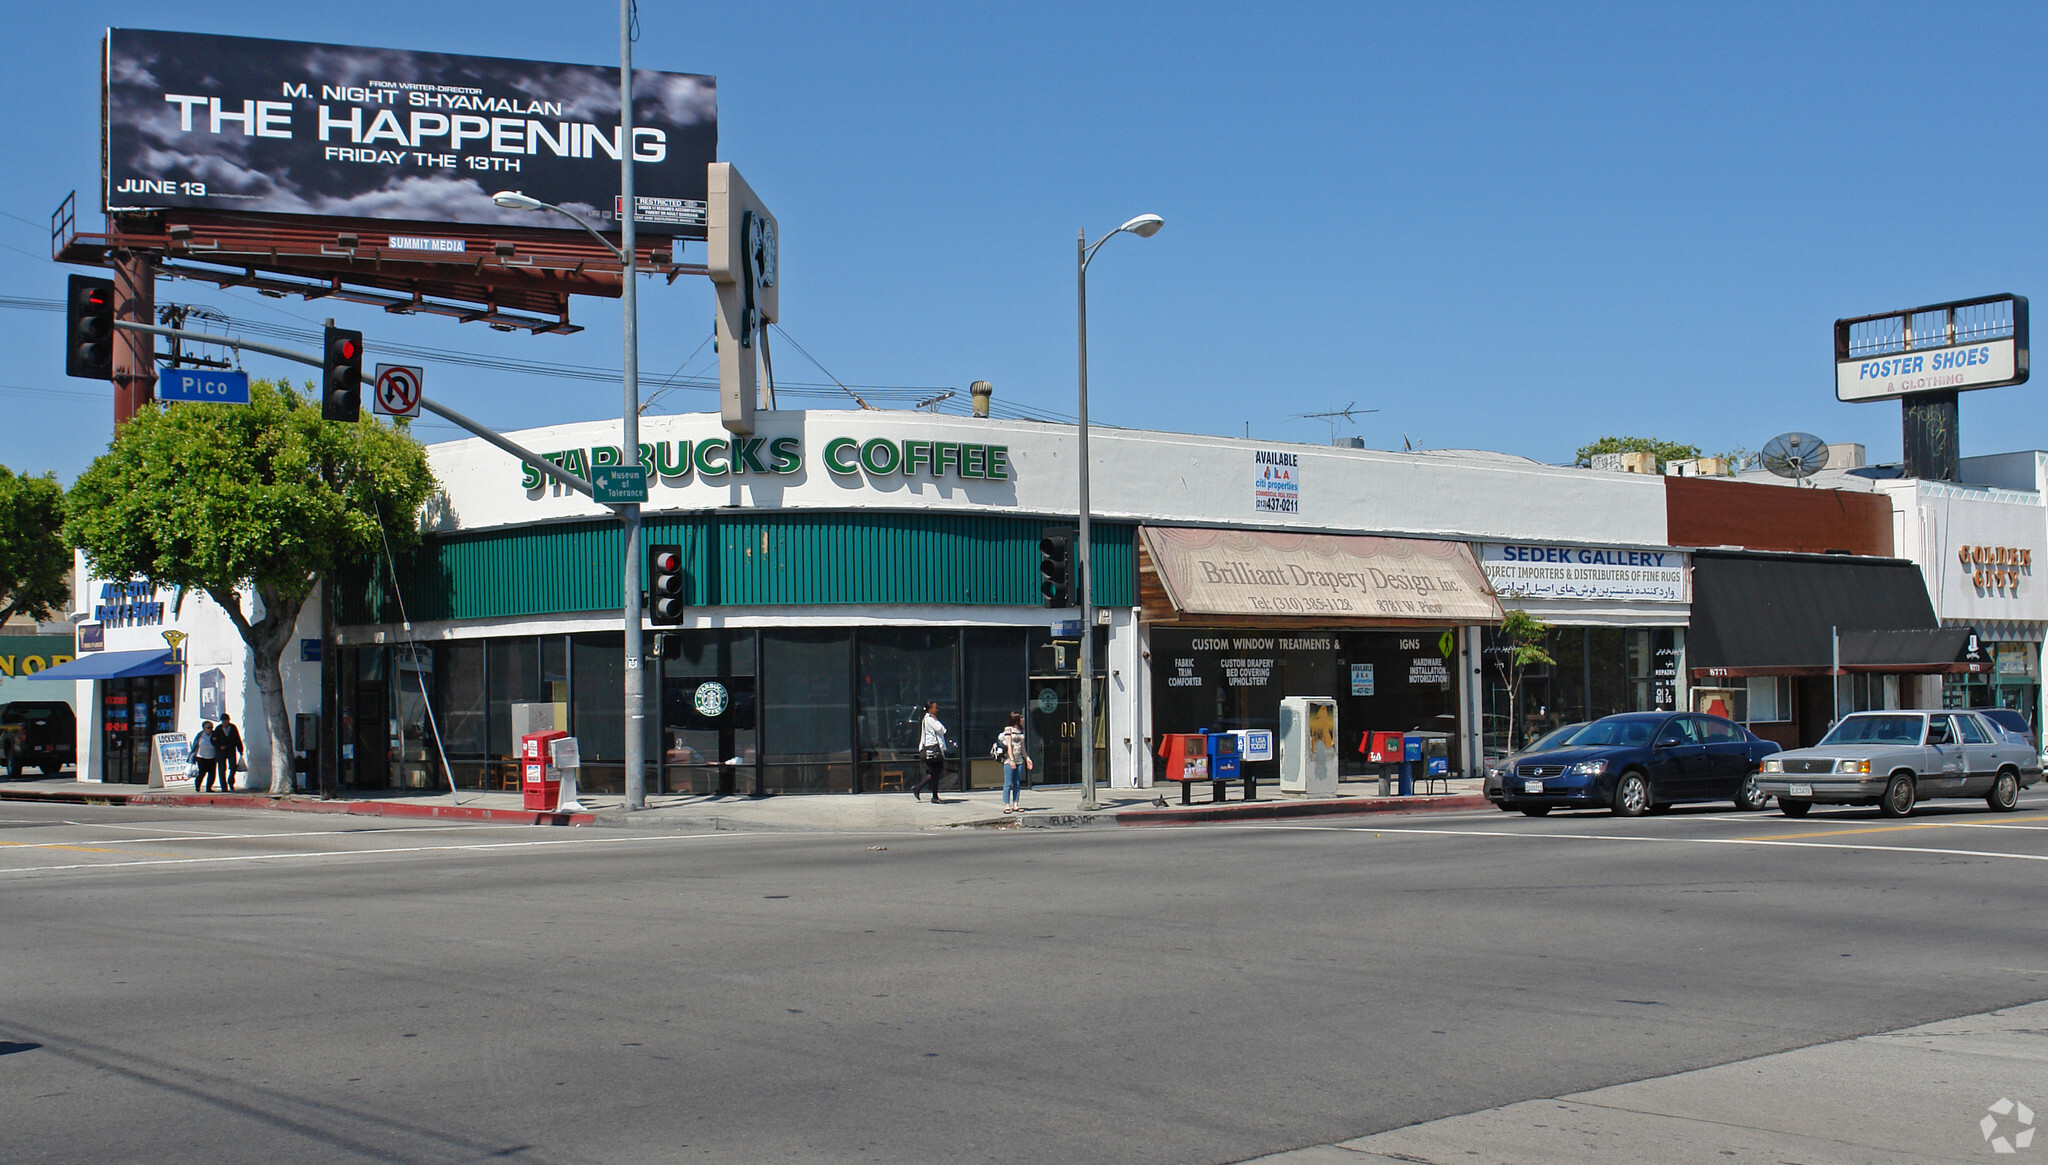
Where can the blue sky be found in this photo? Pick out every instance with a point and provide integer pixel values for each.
(1515, 227)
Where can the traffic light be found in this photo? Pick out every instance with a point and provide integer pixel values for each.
(1056, 567)
(341, 381)
(89, 328)
(665, 585)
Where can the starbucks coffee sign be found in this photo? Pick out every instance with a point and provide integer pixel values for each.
(675, 462)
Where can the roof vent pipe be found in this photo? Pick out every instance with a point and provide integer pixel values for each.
(982, 390)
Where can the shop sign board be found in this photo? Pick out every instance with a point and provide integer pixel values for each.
(231, 123)
(1943, 347)
(1276, 481)
(878, 459)
(91, 637)
(1608, 574)
(1246, 572)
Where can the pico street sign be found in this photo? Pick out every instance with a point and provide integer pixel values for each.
(203, 384)
(618, 484)
(398, 389)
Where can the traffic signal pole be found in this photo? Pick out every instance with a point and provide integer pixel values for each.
(543, 465)
(135, 350)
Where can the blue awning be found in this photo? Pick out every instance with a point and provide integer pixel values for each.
(111, 665)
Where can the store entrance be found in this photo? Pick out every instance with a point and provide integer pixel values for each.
(366, 737)
(1053, 723)
(131, 711)
(708, 735)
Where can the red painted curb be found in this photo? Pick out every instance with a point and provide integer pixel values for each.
(1270, 810)
(363, 808)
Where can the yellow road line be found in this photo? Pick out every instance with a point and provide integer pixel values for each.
(1843, 832)
(84, 849)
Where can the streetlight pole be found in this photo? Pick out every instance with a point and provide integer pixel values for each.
(629, 437)
(1144, 226)
(629, 514)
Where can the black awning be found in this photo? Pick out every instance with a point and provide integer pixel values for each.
(1778, 614)
(1944, 649)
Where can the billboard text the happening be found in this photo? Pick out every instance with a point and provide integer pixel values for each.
(282, 127)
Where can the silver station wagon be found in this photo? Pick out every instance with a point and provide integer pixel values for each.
(1894, 759)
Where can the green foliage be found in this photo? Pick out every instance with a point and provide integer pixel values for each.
(212, 497)
(215, 497)
(35, 560)
(1665, 450)
(1520, 637)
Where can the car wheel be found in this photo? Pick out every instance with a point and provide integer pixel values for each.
(1631, 796)
(14, 767)
(1898, 797)
(51, 770)
(2005, 792)
(1751, 798)
(1534, 810)
(1794, 808)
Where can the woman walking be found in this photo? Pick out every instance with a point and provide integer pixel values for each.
(931, 746)
(1015, 763)
(203, 756)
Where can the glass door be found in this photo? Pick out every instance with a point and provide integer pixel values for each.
(1052, 722)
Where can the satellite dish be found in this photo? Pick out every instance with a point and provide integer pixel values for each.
(1794, 455)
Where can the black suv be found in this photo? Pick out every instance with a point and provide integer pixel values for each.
(38, 732)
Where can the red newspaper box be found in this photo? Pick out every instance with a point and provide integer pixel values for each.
(541, 792)
(1383, 748)
(1187, 756)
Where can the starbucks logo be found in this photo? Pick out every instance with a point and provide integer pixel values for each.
(711, 700)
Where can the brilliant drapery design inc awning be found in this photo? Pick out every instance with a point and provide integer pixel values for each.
(1341, 579)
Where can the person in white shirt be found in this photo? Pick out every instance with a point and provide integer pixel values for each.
(931, 746)
(1010, 743)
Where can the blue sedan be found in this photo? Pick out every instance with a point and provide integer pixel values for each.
(1638, 761)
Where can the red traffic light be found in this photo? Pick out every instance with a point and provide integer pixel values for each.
(667, 560)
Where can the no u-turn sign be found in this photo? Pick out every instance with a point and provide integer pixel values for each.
(398, 390)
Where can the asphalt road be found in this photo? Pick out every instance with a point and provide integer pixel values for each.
(190, 985)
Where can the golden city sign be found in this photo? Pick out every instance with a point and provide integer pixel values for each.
(1998, 567)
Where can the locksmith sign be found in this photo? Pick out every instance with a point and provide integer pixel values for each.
(280, 127)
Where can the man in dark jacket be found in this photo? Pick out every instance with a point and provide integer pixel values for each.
(228, 745)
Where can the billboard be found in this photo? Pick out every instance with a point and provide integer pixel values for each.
(232, 123)
(1944, 347)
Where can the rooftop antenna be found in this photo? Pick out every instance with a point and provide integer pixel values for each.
(1794, 455)
(931, 403)
(1331, 417)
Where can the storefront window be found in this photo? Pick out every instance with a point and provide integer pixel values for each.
(992, 662)
(463, 708)
(807, 710)
(902, 669)
(1387, 681)
(1599, 671)
(597, 714)
(708, 711)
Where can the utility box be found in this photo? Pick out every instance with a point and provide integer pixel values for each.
(536, 769)
(1308, 746)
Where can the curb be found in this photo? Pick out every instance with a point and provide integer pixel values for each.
(1254, 811)
(293, 804)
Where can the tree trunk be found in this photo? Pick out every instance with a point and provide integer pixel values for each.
(267, 639)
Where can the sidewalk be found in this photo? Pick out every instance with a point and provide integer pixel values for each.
(1052, 807)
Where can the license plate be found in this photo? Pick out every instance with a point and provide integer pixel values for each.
(1532, 786)
(1799, 791)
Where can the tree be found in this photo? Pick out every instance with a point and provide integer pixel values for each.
(35, 560)
(1665, 450)
(264, 497)
(1518, 646)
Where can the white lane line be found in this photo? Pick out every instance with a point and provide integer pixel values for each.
(1889, 849)
(278, 835)
(414, 849)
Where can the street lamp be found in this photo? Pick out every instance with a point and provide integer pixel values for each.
(1144, 226)
(629, 512)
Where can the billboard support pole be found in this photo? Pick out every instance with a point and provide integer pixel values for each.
(629, 513)
(134, 350)
(1930, 447)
